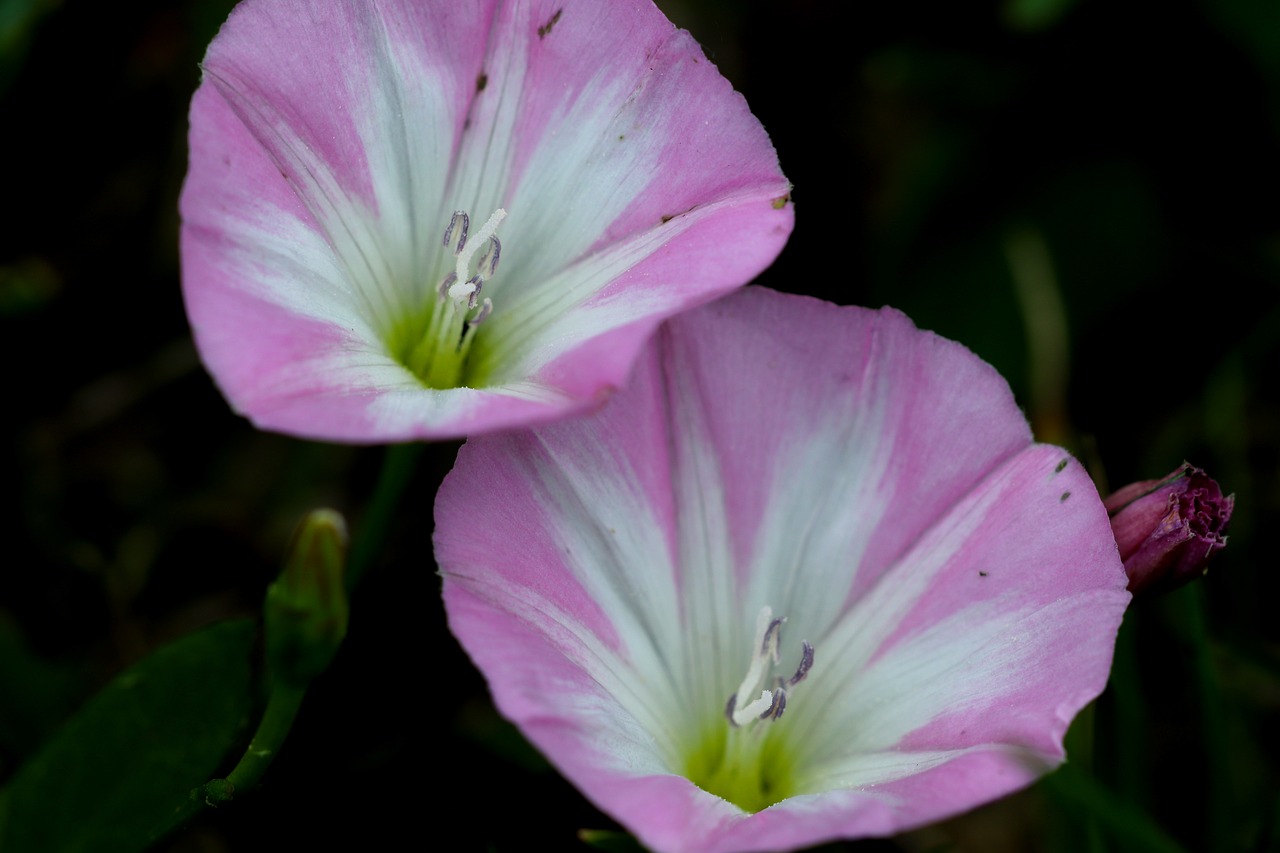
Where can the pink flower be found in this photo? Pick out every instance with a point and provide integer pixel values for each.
(806, 578)
(1168, 529)
(359, 169)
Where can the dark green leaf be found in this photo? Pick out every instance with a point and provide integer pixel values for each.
(122, 769)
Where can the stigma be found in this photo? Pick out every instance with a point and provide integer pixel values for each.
(741, 709)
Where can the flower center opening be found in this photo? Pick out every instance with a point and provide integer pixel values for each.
(436, 349)
(743, 758)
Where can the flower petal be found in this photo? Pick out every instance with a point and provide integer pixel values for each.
(876, 486)
(330, 144)
(987, 637)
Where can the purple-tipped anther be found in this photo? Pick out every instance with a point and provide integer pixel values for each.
(461, 223)
(488, 264)
(806, 663)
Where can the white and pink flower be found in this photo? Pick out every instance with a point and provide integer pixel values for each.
(807, 577)
(588, 145)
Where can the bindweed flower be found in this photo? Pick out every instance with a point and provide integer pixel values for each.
(420, 218)
(1168, 529)
(806, 578)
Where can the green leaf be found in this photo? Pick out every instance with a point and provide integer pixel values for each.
(120, 773)
(37, 695)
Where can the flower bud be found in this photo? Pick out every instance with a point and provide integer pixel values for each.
(306, 608)
(1168, 529)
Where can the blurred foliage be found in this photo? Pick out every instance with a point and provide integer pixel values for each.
(1082, 192)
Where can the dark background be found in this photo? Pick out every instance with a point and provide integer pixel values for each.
(1083, 192)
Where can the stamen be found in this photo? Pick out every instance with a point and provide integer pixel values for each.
(777, 706)
(458, 216)
(439, 357)
(448, 282)
(461, 291)
(481, 238)
(769, 647)
(486, 308)
(756, 667)
(488, 264)
(465, 249)
(769, 704)
(806, 663)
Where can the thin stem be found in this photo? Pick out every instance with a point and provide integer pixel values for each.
(282, 707)
(285, 698)
(277, 719)
(398, 465)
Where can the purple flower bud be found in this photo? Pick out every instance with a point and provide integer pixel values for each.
(1168, 529)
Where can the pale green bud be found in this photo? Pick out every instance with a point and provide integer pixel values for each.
(306, 608)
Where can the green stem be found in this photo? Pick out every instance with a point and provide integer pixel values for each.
(277, 719)
(285, 699)
(274, 727)
(398, 466)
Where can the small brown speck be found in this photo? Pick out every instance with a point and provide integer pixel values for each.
(982, 574)
(482, 81)
(1061, 466)
(667, 218)
(781, 201)
(545, 29)
(1064, 497)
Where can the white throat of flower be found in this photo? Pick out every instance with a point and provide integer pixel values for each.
(770, 703)
(440, 354)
